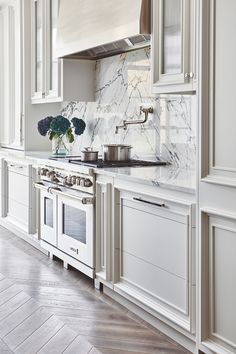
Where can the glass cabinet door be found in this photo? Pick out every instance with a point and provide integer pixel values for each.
(173, 46)
(53, 63)
(171, 37)
(38, 49)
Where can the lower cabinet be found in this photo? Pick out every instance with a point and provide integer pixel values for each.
(20, 197)
(155, 256)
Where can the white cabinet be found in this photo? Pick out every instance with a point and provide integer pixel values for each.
(104, 230)
(53, 79)
(20, 196)
(10, 85)
(154, 256)
(18, 117)
(174, 46)
(217, 184)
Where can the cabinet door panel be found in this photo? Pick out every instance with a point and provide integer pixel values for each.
(158, 240)
(173, 43)
(167, 287)
(172, 38)
(18, 188)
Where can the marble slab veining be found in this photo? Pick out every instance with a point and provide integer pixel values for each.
(123, 84)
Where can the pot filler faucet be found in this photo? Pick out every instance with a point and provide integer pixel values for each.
(146, 111)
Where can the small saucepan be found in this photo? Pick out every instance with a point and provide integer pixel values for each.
(88, 154)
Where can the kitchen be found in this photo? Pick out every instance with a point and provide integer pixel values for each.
(117, 188)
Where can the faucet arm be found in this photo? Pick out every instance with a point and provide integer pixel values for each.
(146, 111)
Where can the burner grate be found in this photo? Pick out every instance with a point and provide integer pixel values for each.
(131, 163)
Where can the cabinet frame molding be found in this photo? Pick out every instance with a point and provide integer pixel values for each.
(211, 173)
(174, 82)
(211, 219)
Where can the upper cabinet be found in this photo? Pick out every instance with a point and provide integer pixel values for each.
(54, 79)
(174, 46)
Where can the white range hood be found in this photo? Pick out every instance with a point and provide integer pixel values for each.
(94, 29)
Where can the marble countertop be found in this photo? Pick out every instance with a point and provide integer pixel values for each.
(169, 176)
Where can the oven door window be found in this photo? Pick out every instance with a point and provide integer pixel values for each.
(48, 212)
(74, 223)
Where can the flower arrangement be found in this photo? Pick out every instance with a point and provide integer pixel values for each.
(57, 128)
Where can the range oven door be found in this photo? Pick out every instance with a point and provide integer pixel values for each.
(76, 227)
(48, 214)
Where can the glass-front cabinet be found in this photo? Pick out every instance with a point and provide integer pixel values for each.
(45, 65)
(173, 46)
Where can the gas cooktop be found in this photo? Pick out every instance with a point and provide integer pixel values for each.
(104, 164)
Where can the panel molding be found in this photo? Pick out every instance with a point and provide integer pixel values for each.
(212, 220)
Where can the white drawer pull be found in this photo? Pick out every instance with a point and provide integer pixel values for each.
(148, 202)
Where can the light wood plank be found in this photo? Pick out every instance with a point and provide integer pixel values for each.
(17, 317)
(9, 293)
(78, 346)
(40, 337)
(14, 303)
(59, 342)
(26, 328)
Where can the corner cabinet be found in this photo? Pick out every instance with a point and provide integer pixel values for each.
(54, 79)
(174, 46)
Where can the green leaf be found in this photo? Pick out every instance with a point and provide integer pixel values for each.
(70, 136)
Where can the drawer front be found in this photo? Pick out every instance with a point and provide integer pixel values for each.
(158, 240)
(18, 168)
(166, 287)
(18, 188)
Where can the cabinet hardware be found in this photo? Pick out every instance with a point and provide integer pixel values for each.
(148, 202)
(187, 76)
(191, 75)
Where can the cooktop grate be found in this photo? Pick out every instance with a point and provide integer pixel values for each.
(103, 164)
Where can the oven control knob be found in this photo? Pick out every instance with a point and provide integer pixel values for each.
(43, 171)
(47, 174)
(88, 183)
(78, 181)
(82, 182)
(73, 180)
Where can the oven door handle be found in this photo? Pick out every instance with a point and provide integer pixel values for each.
(58, 191)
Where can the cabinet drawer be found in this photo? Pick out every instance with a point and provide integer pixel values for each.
(164, 286)
(161, 239)
(18, 188)
(18, 168)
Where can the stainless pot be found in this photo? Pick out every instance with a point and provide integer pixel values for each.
(116, 152)
(88, 154)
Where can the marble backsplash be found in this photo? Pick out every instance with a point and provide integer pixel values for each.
(123, 84)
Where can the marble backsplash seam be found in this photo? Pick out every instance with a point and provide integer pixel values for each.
(123, 84)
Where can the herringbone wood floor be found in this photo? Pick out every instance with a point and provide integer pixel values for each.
(45, 308)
